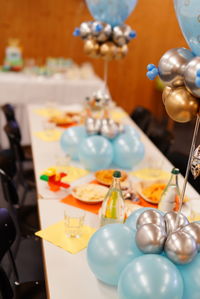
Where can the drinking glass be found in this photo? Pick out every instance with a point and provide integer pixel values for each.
(74, 222)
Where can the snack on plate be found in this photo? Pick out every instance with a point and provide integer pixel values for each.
(105, 176)
(153, 192)
(90, 192)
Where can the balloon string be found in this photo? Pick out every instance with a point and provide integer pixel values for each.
(188, 164)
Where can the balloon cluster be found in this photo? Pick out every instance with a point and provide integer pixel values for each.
(195, 163)
(179, 69)
(171, 232)
(97, 152)
(105, 127)
(99, 100)
(101, 40)
(116, 259)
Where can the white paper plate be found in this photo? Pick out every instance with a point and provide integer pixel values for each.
(92, 189)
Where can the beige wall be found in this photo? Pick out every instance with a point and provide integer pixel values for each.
(45, 29)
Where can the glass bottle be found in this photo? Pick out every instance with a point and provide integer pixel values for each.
(170, 198)
(113, 207)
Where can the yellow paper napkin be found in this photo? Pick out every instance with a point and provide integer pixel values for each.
(150, 174)
(73, 173)
(49, 135)
(45, 112)
(118, 115)
(55, 234)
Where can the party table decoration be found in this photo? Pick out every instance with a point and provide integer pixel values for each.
(54, 179)
(179, 69)
(49, 135)
(55, 234)
(13, 59)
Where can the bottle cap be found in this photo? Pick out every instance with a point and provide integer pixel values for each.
(117, 174)
(175, 171)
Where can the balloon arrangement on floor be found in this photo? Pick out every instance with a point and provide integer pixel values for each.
(107, 37)
(101, 142)
(179, 69)
(151, 256)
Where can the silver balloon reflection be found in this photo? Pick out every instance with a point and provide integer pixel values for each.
(180, 247)
(190, 73)
(150, 216)
(85, 30)
(109, 128)
(101, 31)
(172, 65)
(195, 163)
(92, 125)
(150, 238)
(122, 34)
(170, 221)
(193, 229)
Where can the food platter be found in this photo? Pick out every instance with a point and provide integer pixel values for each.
(90, 193)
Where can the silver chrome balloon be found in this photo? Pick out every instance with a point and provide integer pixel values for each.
(193, 229)
(122, 34)
(101, 31)
(172, 65)
(92, 125)
(150, 238)
(109, 128)
(150, 216)
(180, 247)
(85, 30)
(190, 73)
(195, 163)
(170, 221)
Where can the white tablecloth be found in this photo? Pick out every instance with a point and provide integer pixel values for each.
(20, 90)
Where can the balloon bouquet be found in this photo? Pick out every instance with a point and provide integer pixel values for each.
(102, 141)
(179, 69)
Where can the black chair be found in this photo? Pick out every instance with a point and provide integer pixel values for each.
(20, 290)
(9, 114)
(25, 217)
(7, 162)
(25, 176)
(155, 130)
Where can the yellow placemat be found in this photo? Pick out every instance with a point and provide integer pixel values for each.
(55, 234)
(48, 112)
(48, 135)
(73, 173)
(118, 115)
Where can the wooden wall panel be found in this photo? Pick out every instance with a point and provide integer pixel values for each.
(45, 28)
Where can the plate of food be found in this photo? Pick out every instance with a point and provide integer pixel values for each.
(90, 193)
(151, 191)
(105, 176)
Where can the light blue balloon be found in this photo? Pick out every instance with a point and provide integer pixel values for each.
(129, 130)
(191, 278)
(113, 12)
(95, 153)
(128, 151)
(71, 139)
(188, 13)
(150, 276)
(109, 251)
(132, 219)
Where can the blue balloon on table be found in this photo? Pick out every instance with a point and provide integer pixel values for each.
(128, 151)
(132, 219)
(109, 251)
(95, 153)
(188, 16)
(131, 131)
(113, 12)
(71, 139)
(191, 278)
(150, 276)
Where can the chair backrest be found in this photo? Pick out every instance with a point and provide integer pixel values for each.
(8, 188)
(7, 162)
(9, 112)
(7, 237)
(14, 136)
(7, 232)
(142, 117)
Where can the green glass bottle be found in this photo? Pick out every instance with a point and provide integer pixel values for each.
(170, 198)
(113, 207)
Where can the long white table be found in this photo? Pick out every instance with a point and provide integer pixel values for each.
(67, 275)
(20, 90)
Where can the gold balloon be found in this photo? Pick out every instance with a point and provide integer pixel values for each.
(91, 48)
(108, 50)
(180, 105)
(121, 52)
